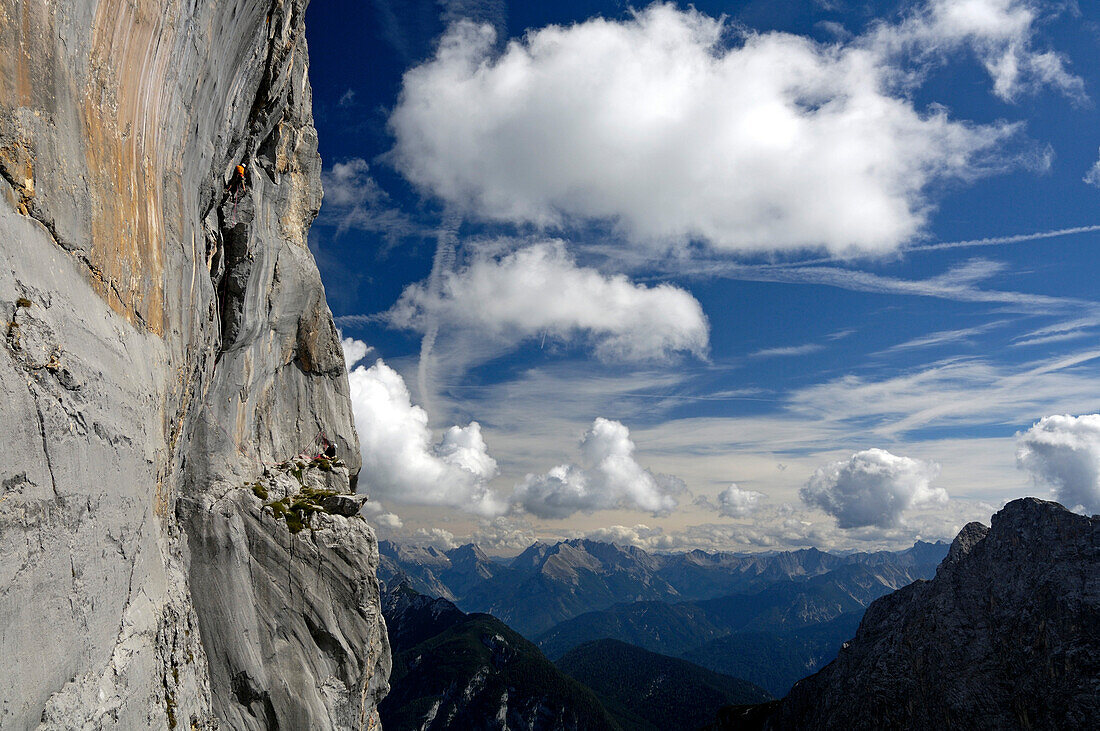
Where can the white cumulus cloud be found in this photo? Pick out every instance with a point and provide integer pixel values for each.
(1063, 451)
(381, 518)
(640, 535)
(608, 478)
(401, 464)
(872, 488)
(733, 502)
(540, 291)
(389, 521)
(438, 538)
(503, 534)
(674, 126)
(354, 351)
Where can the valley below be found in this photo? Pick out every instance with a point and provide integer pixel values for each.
(650, 637)
(811, 640)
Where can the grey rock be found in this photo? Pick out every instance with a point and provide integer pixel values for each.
(165, 341)
(1007, 635)
(342, 504)
(294, 618)
(969, 536)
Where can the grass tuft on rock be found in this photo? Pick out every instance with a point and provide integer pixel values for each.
(296, 509)
(260, 491)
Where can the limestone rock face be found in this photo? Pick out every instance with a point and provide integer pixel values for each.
(167, 344)
(1007, 635)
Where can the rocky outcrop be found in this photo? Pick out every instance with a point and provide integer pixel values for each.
(167, 348)
(1007, 635)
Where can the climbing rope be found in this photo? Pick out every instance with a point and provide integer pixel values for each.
(213, 420)
(236, 197)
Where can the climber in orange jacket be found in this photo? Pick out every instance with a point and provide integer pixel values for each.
(237, 182)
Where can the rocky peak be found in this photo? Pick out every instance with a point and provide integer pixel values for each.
(468, 554)
(1007, 635)
(423, 556)
(532, 556)
(968, 537)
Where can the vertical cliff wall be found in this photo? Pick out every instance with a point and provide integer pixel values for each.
(166, 349)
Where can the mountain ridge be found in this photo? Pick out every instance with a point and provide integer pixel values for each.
(547, 584)
(458, 670)
(746, 623)
(1006, 634)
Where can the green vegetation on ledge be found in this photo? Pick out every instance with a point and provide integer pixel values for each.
(296, 509)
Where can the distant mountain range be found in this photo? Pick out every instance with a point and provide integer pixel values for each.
(550, 583)
(768, 618)
(740, 634)
(1004, 632)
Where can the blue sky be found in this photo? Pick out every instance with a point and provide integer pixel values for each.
(733, 276)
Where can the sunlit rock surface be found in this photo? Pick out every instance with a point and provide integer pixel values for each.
(166, 345)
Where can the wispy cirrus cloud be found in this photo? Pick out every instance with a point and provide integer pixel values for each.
(953, 392)
(788, 352)
(354, 200)
(960, 284)
(1061, 331)
(944, 337)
